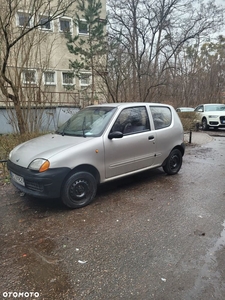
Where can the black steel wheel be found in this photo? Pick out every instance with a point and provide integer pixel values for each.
(173, 162)
(79, 190)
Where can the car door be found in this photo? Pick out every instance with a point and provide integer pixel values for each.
(135, 149)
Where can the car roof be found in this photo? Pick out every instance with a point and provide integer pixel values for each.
(125, 104)
(213, 104)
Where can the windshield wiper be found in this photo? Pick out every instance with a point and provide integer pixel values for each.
(67, 125)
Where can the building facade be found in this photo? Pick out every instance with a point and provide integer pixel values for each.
(38, 64)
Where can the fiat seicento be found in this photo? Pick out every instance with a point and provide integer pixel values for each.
(98, 144)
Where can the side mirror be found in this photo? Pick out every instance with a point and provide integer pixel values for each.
(115, 135)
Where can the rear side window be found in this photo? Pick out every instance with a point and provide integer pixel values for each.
(162, 116)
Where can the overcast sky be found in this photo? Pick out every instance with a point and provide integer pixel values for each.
(220, 2)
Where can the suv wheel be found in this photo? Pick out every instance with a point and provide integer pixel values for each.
(79, 190)
(205, 126)
(173, 162)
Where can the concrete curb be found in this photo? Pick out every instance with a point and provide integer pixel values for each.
(198, 138)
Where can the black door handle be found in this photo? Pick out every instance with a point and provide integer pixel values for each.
(151, 137)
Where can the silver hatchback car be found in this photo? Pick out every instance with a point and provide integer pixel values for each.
(98, 144)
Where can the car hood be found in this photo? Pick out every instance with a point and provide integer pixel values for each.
(45, 147)
(213, 113)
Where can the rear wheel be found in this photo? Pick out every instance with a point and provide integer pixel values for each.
(173, 162)
(79, 190)
(205, 126)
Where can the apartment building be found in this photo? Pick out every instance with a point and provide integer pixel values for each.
(39, 63)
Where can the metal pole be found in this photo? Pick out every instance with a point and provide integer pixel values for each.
(190, 137)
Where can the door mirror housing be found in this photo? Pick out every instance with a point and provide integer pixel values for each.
(115, 135)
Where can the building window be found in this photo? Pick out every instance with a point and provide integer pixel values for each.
(45, 23)
(65, 25)
(24, 19)
(30, 76)
(83, 27)
(49, 78)
(85, 79)
(67, 78)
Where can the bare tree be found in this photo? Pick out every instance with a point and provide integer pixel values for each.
(20, 42)
(202, 73)
(153, 32)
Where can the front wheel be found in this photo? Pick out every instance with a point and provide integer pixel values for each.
(173, 162)
(205, 126)
(79, 190)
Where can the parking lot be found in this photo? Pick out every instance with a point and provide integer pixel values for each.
(149, 236)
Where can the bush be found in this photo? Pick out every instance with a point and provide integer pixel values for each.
(188, 120)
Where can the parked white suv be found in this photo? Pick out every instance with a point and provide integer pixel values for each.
(210, 115)
(98, 144)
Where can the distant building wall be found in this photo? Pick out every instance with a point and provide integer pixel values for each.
(47, 119)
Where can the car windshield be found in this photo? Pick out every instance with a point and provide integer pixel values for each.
(216, 107)
(90, 121)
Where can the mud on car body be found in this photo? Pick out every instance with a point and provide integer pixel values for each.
(98, 144)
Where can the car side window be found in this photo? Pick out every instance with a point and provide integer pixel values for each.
(132, 120)
(162, 116)
(199, 108)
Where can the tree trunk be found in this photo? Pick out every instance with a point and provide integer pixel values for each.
(20, 120)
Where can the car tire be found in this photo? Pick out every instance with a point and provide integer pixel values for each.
(205, 126)
(79, 190)
(173, 162)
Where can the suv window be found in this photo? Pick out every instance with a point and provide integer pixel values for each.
(200, 108)
(162, 116)
(132, 120)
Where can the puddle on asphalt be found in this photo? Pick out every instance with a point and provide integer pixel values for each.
(209, 274)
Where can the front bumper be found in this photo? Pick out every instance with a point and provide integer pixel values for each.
(45, 185)
(218, 122)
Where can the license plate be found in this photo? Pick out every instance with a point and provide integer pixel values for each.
(18, 179)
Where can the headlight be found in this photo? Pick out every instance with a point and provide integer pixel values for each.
(39, 164)
(214, 117)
